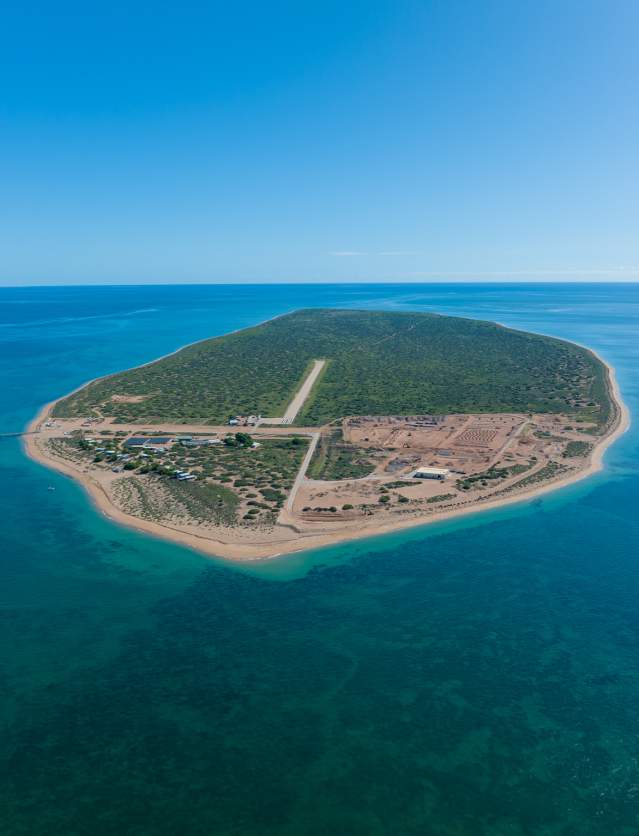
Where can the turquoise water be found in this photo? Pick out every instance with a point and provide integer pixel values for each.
(475, 677)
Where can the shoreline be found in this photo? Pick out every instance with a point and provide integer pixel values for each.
(38, 419)
(244, 552)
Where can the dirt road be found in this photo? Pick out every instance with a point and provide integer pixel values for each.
(298, 401)
(301, 473)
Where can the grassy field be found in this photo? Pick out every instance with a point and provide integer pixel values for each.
(378, 363)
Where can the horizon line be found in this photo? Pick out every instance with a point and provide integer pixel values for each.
(282, 283)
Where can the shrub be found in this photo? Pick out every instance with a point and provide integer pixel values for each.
(272, 496)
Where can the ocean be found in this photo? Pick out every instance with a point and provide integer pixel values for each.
(477, 677)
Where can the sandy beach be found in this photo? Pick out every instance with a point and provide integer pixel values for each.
(287, 538)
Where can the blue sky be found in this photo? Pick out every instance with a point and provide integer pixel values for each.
(333, 141)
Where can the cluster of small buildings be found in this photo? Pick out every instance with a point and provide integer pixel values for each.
(158, 444)
(153, 445)
(244, 420)
(143, 447)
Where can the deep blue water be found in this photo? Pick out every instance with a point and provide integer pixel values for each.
(477, 677)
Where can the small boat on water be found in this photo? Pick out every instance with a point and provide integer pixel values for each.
(50, 488)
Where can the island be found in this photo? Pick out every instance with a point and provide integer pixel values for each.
(324, 425)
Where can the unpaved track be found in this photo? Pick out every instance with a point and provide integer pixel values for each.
(301, 473)
(298, 401)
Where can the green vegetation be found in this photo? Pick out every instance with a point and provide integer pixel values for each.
(547, 436)
(238, 440)
(548, 471)
(335, 459)
(378, 363)
(491, 474)
(483, 478)
(199, 501)
(232, 480)
(577, 448)
(262, 475)
(203, 501)
(67, 448)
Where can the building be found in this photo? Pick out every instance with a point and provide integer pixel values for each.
(185, 476)
(439, 473)
(199, 442)
(144, 441)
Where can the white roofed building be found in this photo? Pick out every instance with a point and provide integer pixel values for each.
(439, 473)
